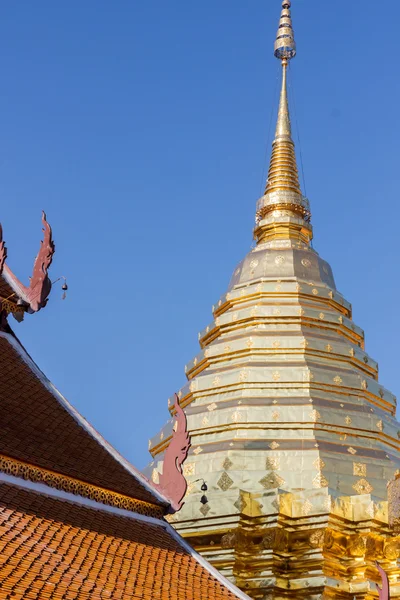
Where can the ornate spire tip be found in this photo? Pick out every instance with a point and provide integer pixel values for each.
(285, 46)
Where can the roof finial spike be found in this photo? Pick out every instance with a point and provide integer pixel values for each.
(283, 213)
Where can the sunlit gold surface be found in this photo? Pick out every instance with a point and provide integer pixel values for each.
(290, 426)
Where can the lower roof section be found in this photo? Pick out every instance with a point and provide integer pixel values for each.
(55, 549)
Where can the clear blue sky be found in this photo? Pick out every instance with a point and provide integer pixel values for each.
(141, 128)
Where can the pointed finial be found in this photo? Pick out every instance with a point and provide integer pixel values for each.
(283, 213)
(285, 46)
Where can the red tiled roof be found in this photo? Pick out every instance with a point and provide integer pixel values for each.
(38, 427)
(57, 550)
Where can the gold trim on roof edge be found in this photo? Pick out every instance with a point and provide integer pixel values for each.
(11, 466)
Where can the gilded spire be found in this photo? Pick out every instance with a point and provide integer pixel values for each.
(283, 212)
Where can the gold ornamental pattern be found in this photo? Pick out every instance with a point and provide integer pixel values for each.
(57, 481)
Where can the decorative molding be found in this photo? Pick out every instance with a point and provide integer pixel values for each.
(16, 468)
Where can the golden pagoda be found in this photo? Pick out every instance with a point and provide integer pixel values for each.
(291, 429)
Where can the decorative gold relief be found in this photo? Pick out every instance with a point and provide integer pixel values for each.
(228, 540)
(273, 463)
(205, 510)
(269, 539)
(276, 344)
(338, 380)
(253, 265)
(216, 381)
(237, 416)
(227, 464)
(380, 425)
(235, 316)
(327, 504)
(319, 464)
(320, 481)
(315, 416)
(272, 481)
(227, 348)
(224, 482)
(348, 420)
(357, 545)
(273, 445)
(330, 295)
(276, 376)
(253, 312)
(364, 384)
(306, 508)
(276, 416)
(315, 292)
(328, 348)
(363, 487)
(321, 316)
(351, 450)
(198, 450)
(243, 375)
(77, 487)
(193, 387)
(212, 407)
(279, 260)
(340, 319)
(276, 312)
(351, 351)
(162, 435)
(205, 421)
(155, 476)
(250, 343)
(317, 539)
(189, 469)
(306, 263)
(195, 361)
(359, 469)
(240, 504)
(371, 509)
(304, 344)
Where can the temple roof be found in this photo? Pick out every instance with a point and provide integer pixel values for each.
(40, 428)
(54, 549)
(77, 521)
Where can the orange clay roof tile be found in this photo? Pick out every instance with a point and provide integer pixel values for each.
(57, 550)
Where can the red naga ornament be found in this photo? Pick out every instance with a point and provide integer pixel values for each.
(173, 484)
(37, 293)
(3, 251)
(384, 591)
